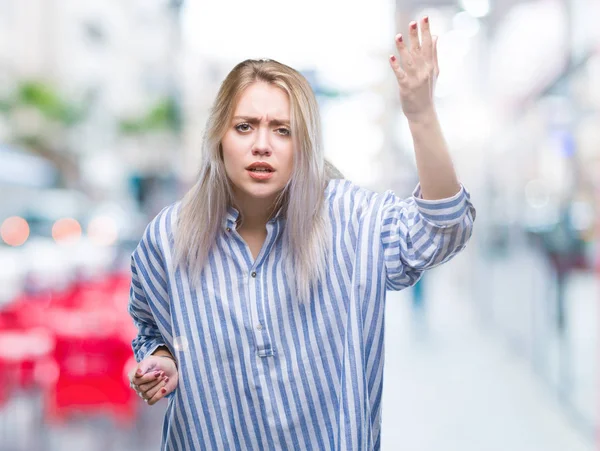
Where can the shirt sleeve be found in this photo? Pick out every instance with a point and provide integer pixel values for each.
(148, 338)
(419, 234)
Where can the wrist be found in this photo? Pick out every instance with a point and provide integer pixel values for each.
(164, 352)
(168, 357)
(426, 118)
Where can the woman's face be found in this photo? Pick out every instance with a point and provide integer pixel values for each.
(257, 147)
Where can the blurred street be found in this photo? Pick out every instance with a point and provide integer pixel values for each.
(460, 386)
(103, 109)
(450, 383)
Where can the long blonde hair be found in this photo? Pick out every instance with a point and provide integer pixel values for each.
(204, 207)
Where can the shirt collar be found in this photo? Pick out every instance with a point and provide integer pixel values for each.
(233, 214)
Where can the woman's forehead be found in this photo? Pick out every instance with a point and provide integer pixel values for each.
(265, 101)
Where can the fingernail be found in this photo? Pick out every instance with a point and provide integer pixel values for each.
(138, 372)
(413, 25)
(163, 390)
(399, 38)
(156, 374)
(166, 380)
(426, 19)
(393, 58)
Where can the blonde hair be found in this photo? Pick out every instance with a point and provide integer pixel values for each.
(204, 207)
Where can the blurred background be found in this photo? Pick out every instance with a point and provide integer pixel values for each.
(102, 109)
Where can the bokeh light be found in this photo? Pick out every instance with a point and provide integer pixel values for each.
(14, 231)
(66, 230)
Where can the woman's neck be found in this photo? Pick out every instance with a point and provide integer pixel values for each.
(255, 213)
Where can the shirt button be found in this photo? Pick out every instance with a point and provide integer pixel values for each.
(259, 327)
(228, 229)
(253, 274)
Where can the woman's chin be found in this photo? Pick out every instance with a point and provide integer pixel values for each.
(265, 193)
(260, 191)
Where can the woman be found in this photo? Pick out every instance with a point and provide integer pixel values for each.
(259, 298)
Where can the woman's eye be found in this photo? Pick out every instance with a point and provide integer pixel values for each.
(242, 127)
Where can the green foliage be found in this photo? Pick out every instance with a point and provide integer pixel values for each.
(42, 97)
(163, 116)
(45, 99)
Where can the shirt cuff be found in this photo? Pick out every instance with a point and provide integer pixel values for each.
(443, 212)
(151, 350)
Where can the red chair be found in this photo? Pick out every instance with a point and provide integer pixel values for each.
(76, 345)
(92, 360)
(21, 353)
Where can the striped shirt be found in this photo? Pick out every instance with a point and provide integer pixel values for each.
(259, 370)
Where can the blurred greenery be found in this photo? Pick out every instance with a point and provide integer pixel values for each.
(163, 116)
(44, 98)
(59, 114)
(48, 102)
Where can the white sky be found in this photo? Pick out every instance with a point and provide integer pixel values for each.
(347, 42)
(307, 33)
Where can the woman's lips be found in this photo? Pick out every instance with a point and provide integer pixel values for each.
(260, 175)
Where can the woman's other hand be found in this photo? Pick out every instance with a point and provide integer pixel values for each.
(154, 378)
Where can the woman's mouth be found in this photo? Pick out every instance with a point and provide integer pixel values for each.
(260, 173)
(260, 170)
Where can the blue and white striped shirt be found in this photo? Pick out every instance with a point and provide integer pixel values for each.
(259, 370)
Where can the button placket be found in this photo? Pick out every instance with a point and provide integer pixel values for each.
(261, 336)
(258, 304)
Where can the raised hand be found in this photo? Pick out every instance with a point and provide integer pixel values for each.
(416, 70)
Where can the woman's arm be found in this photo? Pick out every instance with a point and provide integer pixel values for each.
(417, 71)
(419, 234)
(148, 339)
(434, 165)
(148, 300)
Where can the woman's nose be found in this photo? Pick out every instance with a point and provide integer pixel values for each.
(261, 144)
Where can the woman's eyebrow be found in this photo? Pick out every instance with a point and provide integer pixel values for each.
(256, 120)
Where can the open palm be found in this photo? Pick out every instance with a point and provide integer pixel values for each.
(416, 70)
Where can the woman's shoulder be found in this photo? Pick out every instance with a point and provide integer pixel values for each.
(158, 234)
(343, 187)
(347, 195)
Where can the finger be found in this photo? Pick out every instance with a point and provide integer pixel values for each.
(136, 372)
(426, 39)
(148, 394)
(396, 67)
(147, 377)
(406, 61)
(160, 393)
(413, 31)
(145, 366)
(435, 57)
(148, 386)
(148, 390)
